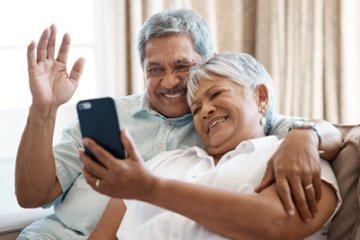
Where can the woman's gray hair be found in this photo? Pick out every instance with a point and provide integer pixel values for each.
(177, 21)
(241, 68)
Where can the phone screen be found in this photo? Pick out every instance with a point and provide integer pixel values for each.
(99, 121)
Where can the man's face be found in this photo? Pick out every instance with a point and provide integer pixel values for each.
(166, 66)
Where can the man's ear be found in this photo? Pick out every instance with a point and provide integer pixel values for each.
(262, 96)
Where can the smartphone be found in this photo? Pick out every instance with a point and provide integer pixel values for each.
(99, 121)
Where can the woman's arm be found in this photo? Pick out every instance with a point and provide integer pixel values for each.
(237, 216)
(110, 221)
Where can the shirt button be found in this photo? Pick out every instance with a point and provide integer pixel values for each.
(159, 145)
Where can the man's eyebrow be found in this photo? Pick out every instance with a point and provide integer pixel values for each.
(184, 61)
(152, 64)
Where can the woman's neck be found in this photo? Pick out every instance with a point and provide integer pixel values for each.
(218, 155)
(217, 158)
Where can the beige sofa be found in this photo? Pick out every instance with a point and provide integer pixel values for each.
(346, 224)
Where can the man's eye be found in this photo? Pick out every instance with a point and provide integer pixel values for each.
(155, 71)
(182, 68)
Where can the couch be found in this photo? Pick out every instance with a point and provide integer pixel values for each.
(345, 225)
(12, 223)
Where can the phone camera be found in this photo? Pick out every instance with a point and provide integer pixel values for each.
(84, 106)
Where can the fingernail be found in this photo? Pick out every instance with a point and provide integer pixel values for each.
(307, 220)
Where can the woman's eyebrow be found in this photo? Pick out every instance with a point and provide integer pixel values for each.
(206, 93)
(194, 103)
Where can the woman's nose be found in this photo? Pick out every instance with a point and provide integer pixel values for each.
(208, 109)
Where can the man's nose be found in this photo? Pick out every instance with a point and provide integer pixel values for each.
(171, 80)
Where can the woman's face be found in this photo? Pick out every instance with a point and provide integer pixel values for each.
(225, 113)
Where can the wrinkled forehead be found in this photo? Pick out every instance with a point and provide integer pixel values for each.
(171, 49)
(171, 60)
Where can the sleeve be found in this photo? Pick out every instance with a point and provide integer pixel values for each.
(281, 125)
(67, 161)
(328, 176)
(68, 164)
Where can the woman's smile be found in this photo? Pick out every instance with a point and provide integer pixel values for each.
(215, 122)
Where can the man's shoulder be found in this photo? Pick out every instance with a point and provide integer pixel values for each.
(131, 103)
(279, 119)
(132, 99)
(281, 124)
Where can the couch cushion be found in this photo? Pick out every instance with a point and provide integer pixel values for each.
(346, 222)
(11, 224)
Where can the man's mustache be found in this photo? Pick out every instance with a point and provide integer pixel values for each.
(175, 90)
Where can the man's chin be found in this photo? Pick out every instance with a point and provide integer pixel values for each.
(175, 111)
(176, 107)
(172, 114)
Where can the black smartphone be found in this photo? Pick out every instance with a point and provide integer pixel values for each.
(99, 121)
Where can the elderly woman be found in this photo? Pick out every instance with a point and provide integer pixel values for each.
(209, 193)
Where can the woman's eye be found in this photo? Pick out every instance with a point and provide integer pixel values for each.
(215, 94)
(195, 111)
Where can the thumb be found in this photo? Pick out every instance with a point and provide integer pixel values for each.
(268, 178)
(129, 145)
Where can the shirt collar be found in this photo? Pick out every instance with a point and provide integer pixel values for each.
(141, 104)
(247, 146)
(257, 144)
(252, 145)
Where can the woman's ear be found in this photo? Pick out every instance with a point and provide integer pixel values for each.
(262, 95)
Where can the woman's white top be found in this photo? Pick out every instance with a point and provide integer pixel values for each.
(239, 171)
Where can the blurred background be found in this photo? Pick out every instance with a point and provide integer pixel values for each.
(310, 47)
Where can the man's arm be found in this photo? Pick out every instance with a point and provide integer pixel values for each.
(295, 165)
(331, 140)
(234, 215)
(35, 173)
(51, 86)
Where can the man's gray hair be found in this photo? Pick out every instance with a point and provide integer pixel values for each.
(241, 68)
(177, 21)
